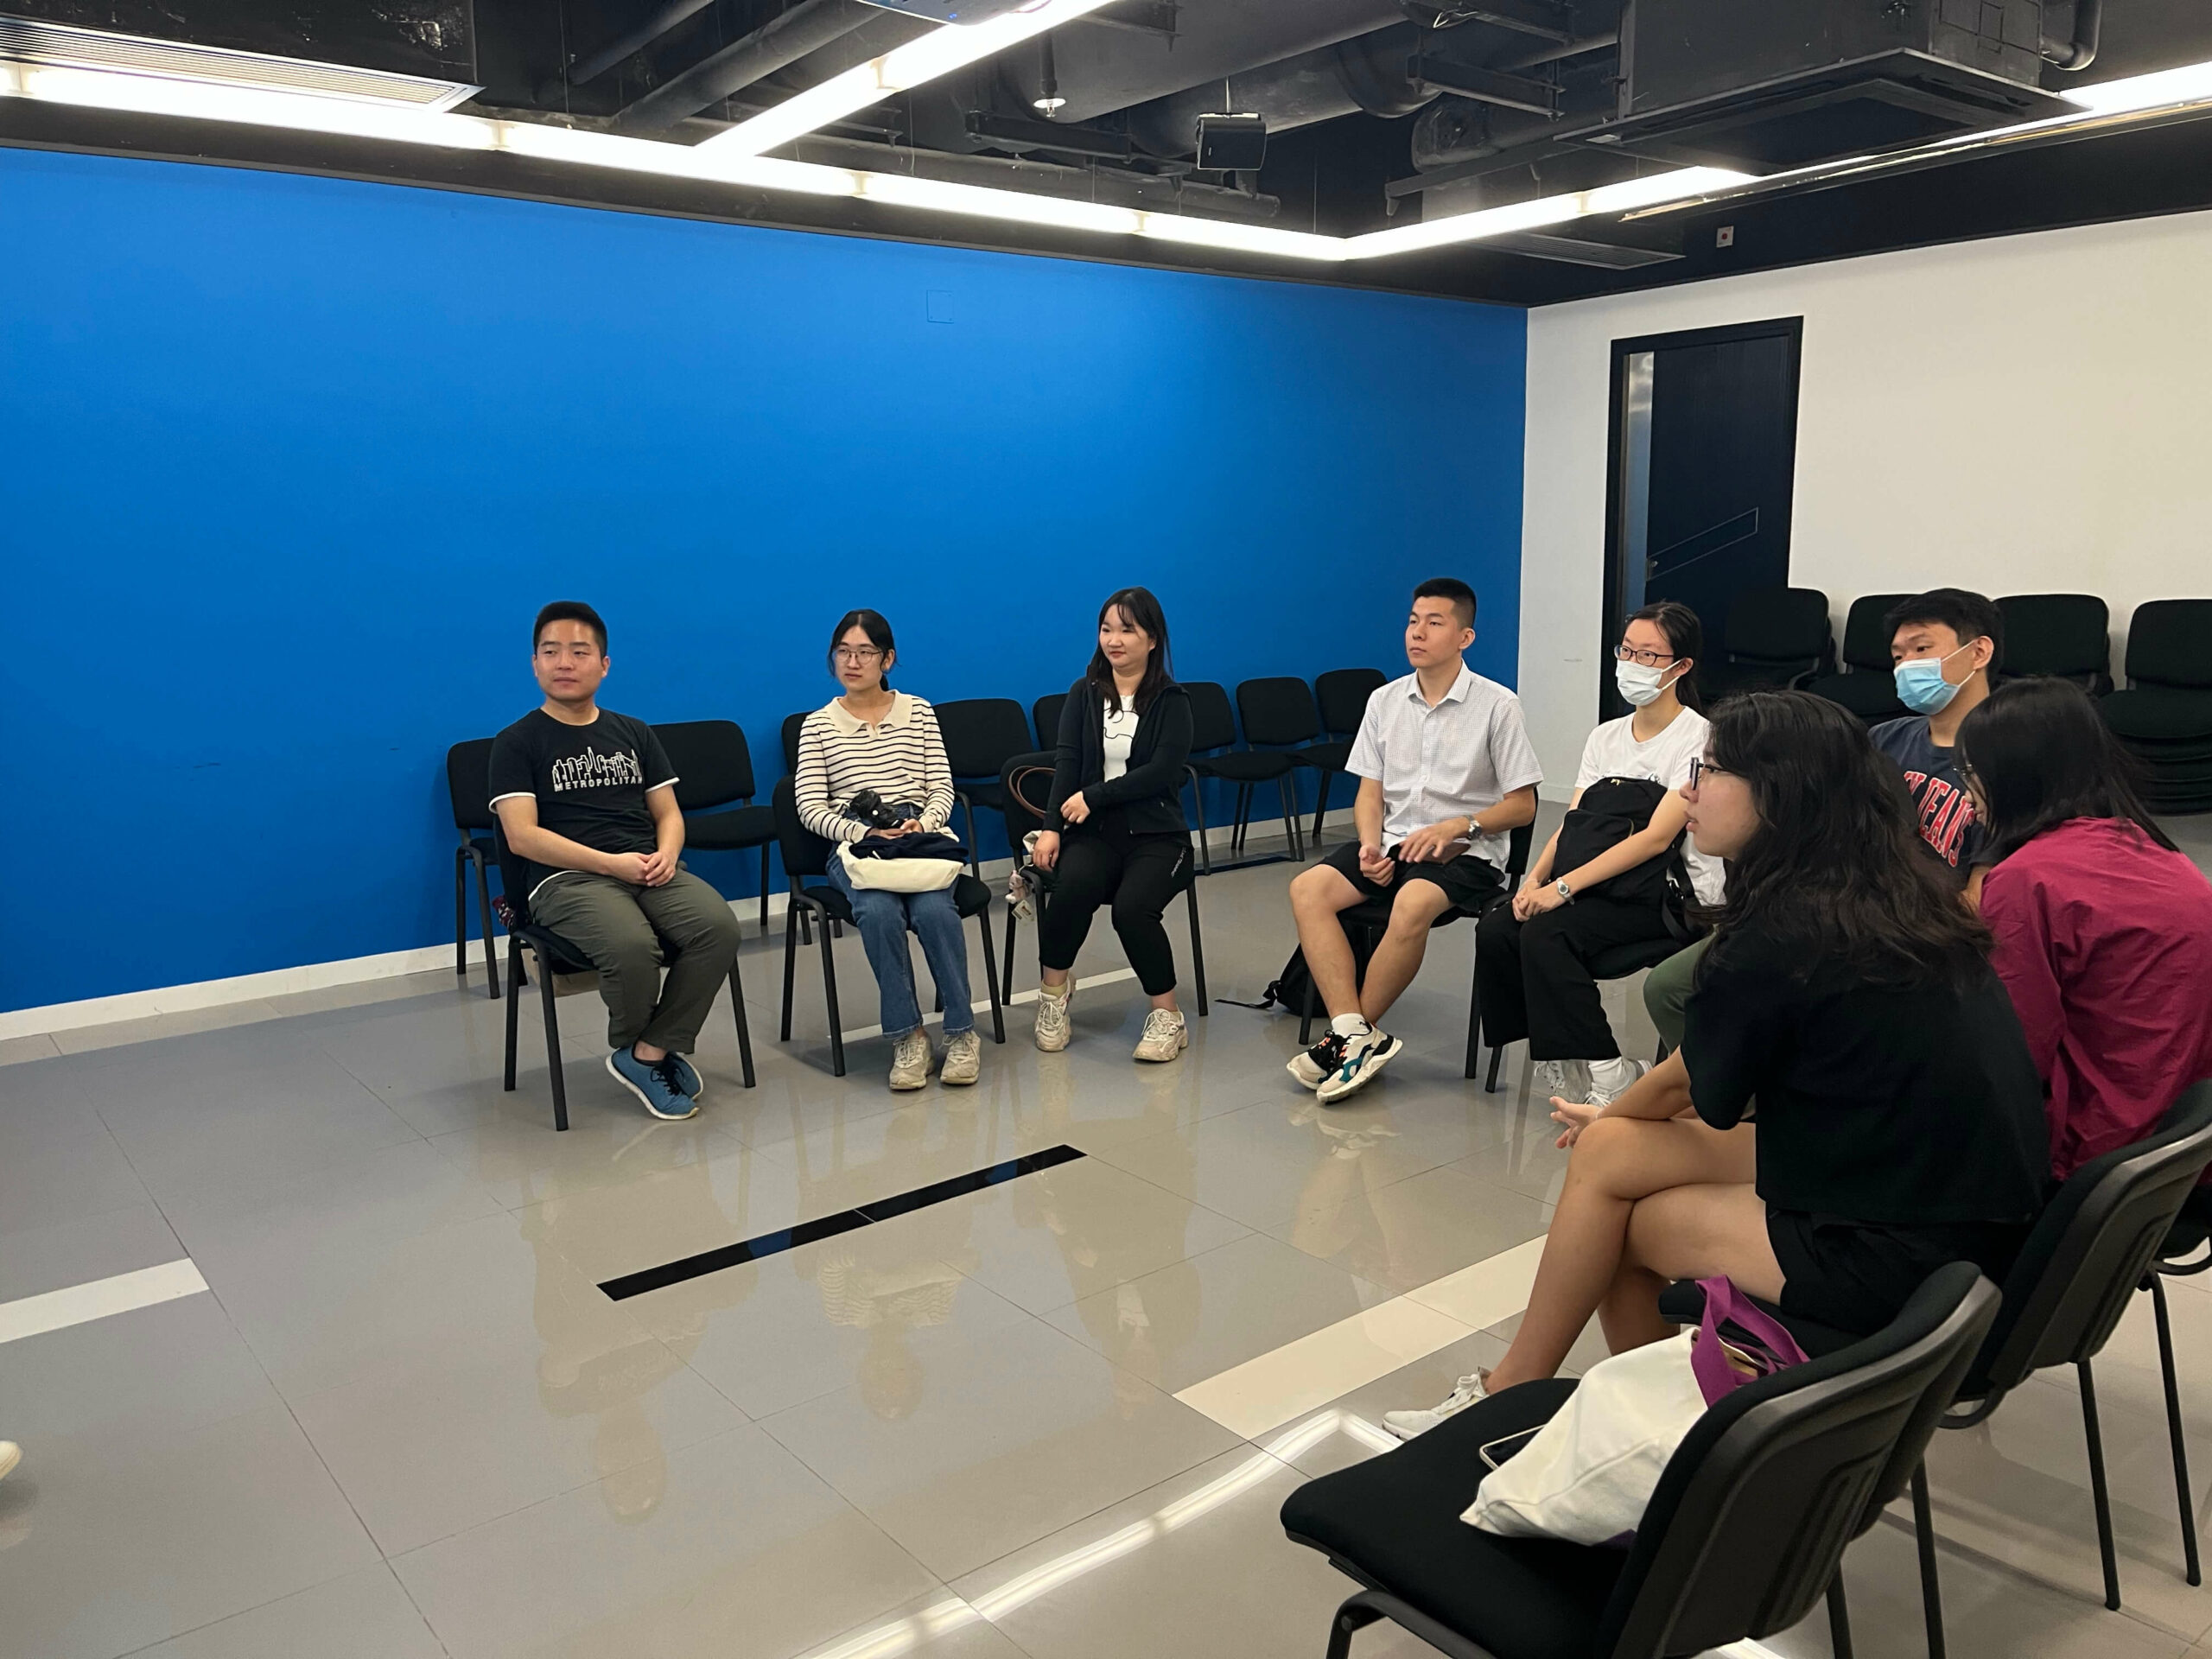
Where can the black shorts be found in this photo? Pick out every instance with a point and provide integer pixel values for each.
(1470, 882)
(1855, 1275)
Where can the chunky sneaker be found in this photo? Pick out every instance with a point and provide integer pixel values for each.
(11, 1455)
(1052, 1028)
(683, 1075)
(963, 1059)
(1365, 1056)
(1166, 1035)
(652, 1084)
(910, 1061)
(1313, 1067)
(1568, 1080)
(1610, 1079)
(1407, 1424)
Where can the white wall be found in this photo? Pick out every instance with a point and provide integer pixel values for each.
(2030, 414)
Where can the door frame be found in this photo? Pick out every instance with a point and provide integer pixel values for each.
(1792, 329)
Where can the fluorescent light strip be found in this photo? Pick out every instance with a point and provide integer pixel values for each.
(948, 47)
(1620, 197)
(2190, 84)
(107, 89)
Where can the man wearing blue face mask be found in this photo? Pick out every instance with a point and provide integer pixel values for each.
(1943, 643)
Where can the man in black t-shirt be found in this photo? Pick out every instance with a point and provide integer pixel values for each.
(586, 799)
(1944, 643)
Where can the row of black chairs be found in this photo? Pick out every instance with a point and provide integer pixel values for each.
(1746, 1530)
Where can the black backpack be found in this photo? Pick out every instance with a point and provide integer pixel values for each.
(1612, 810)
(1288, 990)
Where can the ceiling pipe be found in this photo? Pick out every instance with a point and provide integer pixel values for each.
(2081, 51)
(667, 17)
(776, 44)
(1154, 191)
(1366, 73)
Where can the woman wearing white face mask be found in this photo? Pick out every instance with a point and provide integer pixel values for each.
(1602, 879)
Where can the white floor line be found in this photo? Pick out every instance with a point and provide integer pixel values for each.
(1270, 1389)
(79, 1303)
(1110, 976)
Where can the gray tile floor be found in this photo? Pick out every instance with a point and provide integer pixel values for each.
(406, 1422)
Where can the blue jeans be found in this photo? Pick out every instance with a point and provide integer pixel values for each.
(884, 918)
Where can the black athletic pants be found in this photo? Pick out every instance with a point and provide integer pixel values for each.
(1534, 978)
(1137, 875)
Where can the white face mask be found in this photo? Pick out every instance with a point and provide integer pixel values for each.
(1639, 685)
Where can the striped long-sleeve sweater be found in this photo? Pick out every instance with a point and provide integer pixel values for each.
(901, 758)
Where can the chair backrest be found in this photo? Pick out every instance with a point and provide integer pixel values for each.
(1780, 624)
(2169, 643)
(1342, 694)
(2086, 1256)
(1027, 780)
(791, 724)
(713, 767)
(1516, 852)
(981, 734)
(804, 852)
(468, 781)
(1044, 713)
(1749, 1518)
(1279, 709)
(2055, 633)
(1865, 635)
(1212, 725)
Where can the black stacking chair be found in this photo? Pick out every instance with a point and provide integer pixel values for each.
(1616, 963)
(807, 855)
(1045, 714)
(1340, 696)
(1744, 1533)
(558, 960)
(1366, 922)
(2163, 715)
(469, 768)
(1279, 714)
(1775, 636)
(1027, 783)
(1866, 686)
(714, 768)
(980, 735)
(2062, 636)
(1213, 754)
(791, 724)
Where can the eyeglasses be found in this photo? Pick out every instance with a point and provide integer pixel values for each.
(1702, 768)
(1643, 658)
(857, 654)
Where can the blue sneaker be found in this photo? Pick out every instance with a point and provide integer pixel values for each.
(683, 1075)
(650, 1085)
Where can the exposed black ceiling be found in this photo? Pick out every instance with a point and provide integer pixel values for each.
(1380, 112)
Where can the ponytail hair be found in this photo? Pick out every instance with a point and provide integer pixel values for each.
(1685, 638)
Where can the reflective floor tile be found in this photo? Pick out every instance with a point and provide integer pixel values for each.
(744, 1556)
(447, 1447)
(86, 1039)
(1184, 1324)
(1407, 1233)
(390, 1192)
(526, 1163)
(1350, 1430)
(842, 1165)
(36, 1259)
(120, 1544)
(152, 1372)
(65, 1180)
(210, 1152)
(726, 1196)
(997, 1447)
(931, 1627)
(364, 1615)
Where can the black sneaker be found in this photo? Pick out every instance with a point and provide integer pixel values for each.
(1317, 1064)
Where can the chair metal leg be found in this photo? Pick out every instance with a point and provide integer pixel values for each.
(1236, 820)
(2195, 1573)
(991, 977)
(484, 910)
(1489, 1083)
(1474, 1028)
(1352, 1618)
(764, 892)
(830, 1001)
(2093, 1434)
(1931, 1589)
(1321, 807)
(744, 1024)
(459, 913)
(1288, 791)
(553, 1050)
(975, 851)
(514, 1003)
(1197, 946)
(1198, 812)
(1306, 1016)
(792, 918)
(1006, 982)
(1839, 1618)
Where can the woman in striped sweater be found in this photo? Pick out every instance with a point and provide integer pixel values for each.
(871, 737)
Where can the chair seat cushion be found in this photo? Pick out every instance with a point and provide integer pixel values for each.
(1325, 757)
(986, 793)
(556, 952)
(1392, 1521)
(1870, 696)
(1245, 765)
(735, 830)
(2158, 712)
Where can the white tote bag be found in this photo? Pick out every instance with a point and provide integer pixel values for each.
(901, 874)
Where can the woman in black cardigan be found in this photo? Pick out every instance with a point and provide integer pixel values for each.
(1115, 831)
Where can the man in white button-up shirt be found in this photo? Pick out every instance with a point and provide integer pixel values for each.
(1445, 774)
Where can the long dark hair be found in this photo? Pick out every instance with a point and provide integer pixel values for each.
(1136, 606)
(871, 623)
(1685, 638)
(2038, 753)
(1835, 872)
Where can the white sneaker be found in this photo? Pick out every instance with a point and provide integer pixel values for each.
(1610, 1079)
(910, 1061)
(1365, 1056)
(11, 1455)
(1315, 1065)
(1053, 1028)
(1569, 1080)
(1166, 1036)
(963, 1059)
(1407, 1424)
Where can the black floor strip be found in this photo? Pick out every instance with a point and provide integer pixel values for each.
(807, 1232)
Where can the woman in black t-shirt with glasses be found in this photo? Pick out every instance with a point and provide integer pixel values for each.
(1848, 994)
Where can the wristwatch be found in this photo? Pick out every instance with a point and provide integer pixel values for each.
(1564, 891)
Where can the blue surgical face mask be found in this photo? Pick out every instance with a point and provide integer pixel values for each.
(1921, 685)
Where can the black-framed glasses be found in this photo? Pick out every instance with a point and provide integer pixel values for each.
(1643, 658)
(1702, 768)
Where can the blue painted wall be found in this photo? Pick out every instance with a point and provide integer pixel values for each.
(290, 462)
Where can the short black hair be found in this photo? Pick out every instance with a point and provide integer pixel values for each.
(1450, 588)
(567, 610)
(1969, 616)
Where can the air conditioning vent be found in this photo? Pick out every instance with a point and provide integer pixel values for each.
(64, 45)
